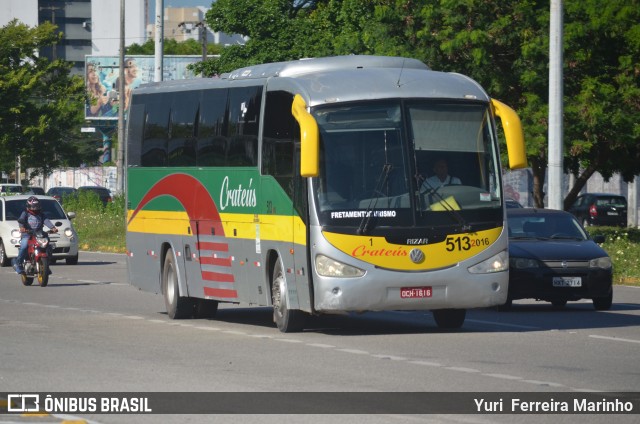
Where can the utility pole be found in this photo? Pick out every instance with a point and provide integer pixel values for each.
(555, 181)
(121, 104)
(159, 49)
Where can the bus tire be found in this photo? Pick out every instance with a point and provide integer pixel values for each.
(449, 318)
(287, 320)
(177, 307)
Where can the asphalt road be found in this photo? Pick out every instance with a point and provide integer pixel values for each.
(89, 331)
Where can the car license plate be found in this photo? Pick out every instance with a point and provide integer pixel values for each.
(612, 213)
(567, 282)
(415, 292)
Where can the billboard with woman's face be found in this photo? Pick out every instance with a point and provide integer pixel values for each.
(102, 73)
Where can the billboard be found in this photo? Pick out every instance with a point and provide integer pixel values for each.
(102, 73)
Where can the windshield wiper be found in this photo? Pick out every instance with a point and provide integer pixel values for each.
(377, 192)
(446, 205)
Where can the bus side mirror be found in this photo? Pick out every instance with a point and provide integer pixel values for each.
(513, 132)
(309, 138)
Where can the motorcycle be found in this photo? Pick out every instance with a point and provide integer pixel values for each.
(38, 256)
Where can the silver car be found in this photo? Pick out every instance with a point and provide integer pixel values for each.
(66, 239)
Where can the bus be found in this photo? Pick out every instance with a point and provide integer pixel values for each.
(302, 186)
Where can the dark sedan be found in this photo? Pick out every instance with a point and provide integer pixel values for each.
(552, 258)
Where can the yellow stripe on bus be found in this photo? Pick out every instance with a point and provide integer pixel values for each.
(240, 226)
(377, 251)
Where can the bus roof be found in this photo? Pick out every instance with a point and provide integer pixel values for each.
(342, 79)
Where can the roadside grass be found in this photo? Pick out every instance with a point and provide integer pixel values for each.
(99, 228)
(103, 229)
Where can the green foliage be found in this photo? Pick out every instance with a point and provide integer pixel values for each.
(41, 103)
(623, 246)
(173, 47)
(99, 228)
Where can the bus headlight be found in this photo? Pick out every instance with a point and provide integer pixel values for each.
(496, 263)
(328, 267)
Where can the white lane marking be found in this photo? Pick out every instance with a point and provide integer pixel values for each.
(504, 376)
(543, 383)
(615, 339)
(321, 345)
(462, 369)
(390, 357)
(426, 363)
(287, 340)
(355, 351)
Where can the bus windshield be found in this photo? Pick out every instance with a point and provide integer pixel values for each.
(406, 163)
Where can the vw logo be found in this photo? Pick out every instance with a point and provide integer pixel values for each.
(416, 256)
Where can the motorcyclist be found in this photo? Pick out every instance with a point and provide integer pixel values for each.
(31, 219)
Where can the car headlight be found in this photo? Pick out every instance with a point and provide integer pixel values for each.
(523, 263)
(328, 267)
(496, 263)
(604, 263)
(68, 232)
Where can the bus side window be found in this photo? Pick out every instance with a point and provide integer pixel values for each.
(156, 131)
(212, 129)
(279, 132)
(184, 116)
(243, 116)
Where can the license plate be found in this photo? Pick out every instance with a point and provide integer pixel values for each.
(415, 292)
(612, 213)
(567, 282)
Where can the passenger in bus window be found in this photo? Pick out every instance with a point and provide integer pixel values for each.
(441, 177)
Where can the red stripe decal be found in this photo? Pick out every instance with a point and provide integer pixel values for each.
(206, 260)
(207, 245)
(217, 276)
(227, 293)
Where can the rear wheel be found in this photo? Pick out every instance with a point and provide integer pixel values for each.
(177, 307)
(288, 320)
(4, 261)
(603, 303)
(43, 272)
(449, 318)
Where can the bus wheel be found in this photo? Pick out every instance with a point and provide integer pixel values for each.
(287, 320)
(177, 307)
(449, 318)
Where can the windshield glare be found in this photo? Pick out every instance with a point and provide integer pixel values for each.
(405, 161)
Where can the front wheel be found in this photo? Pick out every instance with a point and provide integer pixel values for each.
(177, 307)
(603, 303)
(43, 272)
(288, 320)
(449, 318)
(26, 281)
(72, 260)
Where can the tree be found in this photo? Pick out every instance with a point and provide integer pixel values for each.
(173, 47)
(41, 104)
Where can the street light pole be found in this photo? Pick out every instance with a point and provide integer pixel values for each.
(121, 105)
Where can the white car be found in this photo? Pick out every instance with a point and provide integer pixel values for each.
(66, 239)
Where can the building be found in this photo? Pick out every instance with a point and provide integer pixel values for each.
(89, 27)
(184, 23)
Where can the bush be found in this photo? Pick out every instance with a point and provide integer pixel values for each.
(99, 228)
(623, 246)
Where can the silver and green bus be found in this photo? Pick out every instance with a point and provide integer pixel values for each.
(305, 186)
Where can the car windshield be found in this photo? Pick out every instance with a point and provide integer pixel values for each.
(380, 161)
(50, 208)
(545, 227)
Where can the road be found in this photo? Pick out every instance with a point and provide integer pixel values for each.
(89, 331)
